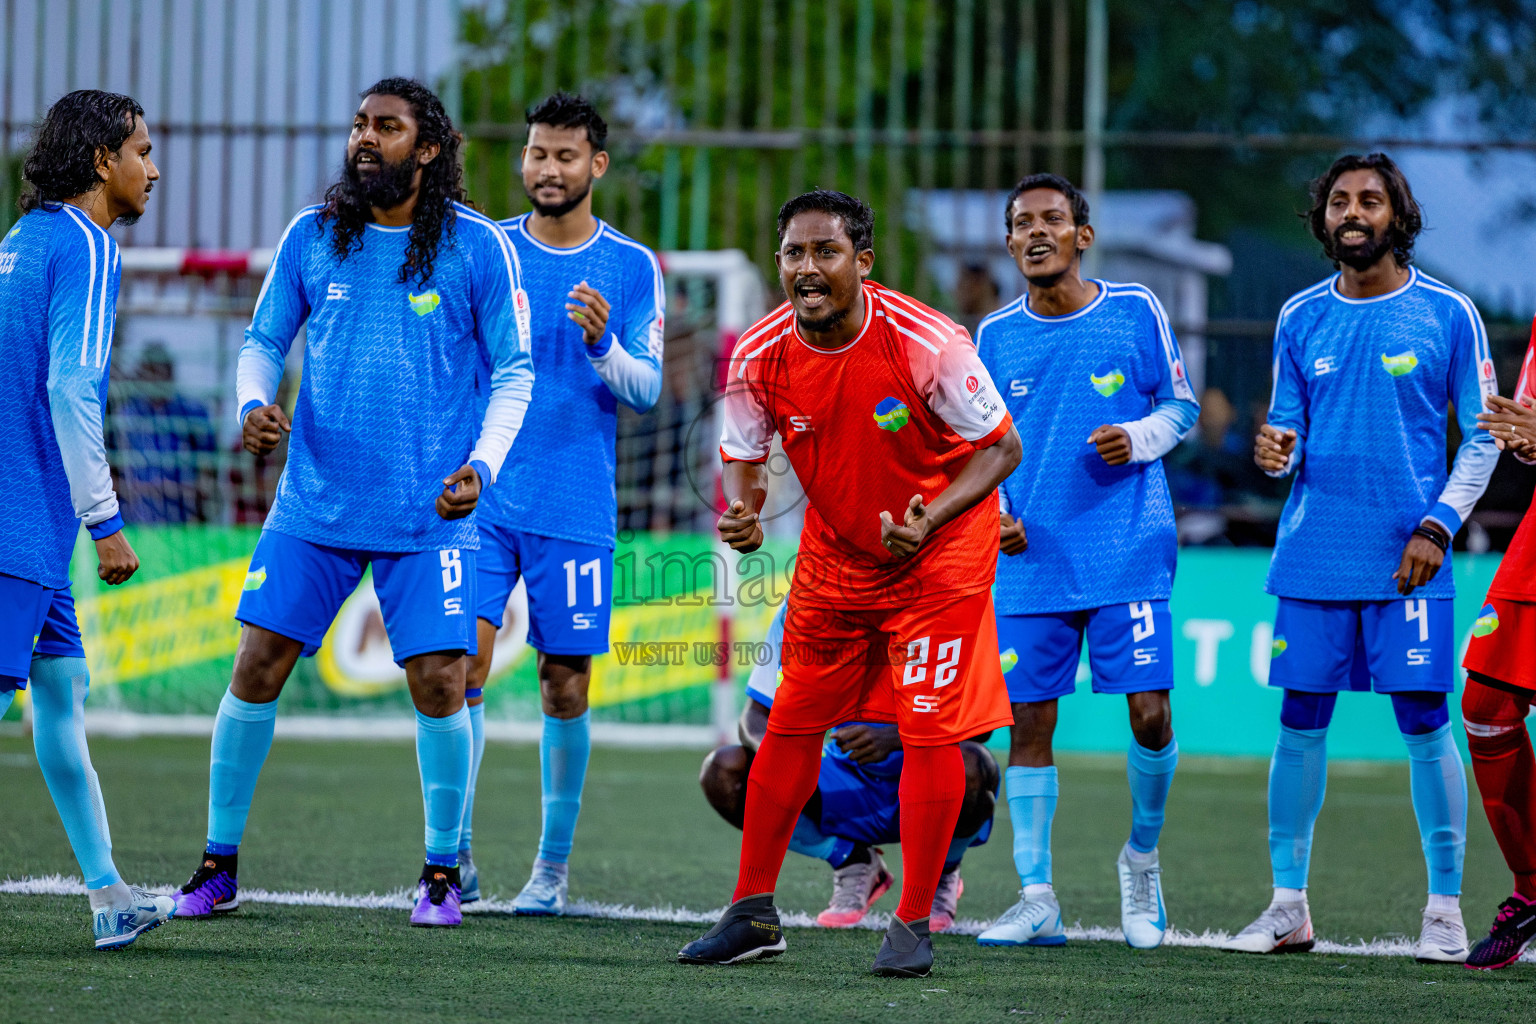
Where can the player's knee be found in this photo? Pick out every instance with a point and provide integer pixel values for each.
(1307, 711)
(563, 685)
(981, 771)
(437, 685)
(1029, 741)
(262, 663)
(723, 777)
(1151, 718)
(981, 783)
(1420, 713)
(477, 669)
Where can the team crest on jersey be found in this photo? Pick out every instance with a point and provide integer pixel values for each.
(1400, 364)
(892, 414)
(1487, 621)
(1008, 658)
(1107, 381)
(255, 578)
(1278, 647)
(424, 303)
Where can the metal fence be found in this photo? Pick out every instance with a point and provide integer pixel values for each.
(719, 111)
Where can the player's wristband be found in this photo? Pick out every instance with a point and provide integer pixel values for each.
(601, 348)
(484, 470)
(106, 528)
(249, 408)
(1435, 537)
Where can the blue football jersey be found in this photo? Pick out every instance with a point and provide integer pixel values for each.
(58, 287)
(559, 479)
(387, 407)
(1098, 534)
(1367, 384)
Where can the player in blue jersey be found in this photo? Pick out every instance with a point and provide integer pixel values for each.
(1094, 381)
(403, 291)
(89, 168)
(856, 805)
(1367, 366)
(597, 303)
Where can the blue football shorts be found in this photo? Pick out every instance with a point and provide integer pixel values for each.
(1130, 650)
(1397, 646)
(295, 588)
(862, 802)
(569, 587)
(34, 619)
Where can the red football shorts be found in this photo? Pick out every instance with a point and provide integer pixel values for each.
(1503, 645)
(932, 669)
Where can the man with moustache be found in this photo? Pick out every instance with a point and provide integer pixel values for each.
(1367, 364)
(883, 407)
(405, 291)
(1093, 377)
(597, 301)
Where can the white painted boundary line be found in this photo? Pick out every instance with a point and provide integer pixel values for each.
(402, 899)
(127, 724)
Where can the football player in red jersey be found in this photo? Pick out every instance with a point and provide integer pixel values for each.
(1501, 686)
(900, 439)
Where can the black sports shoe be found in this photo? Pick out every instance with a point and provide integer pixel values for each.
(906, 951)
(1513, 929)
(748, 930)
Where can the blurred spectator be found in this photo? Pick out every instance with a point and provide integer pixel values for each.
(162, 444)
(976, 295)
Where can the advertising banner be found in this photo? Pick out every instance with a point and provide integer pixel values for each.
(164, 644)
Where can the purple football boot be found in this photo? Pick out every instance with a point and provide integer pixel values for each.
(437, 898)
(211, 889)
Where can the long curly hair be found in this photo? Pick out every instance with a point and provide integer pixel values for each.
(62, 161)
(442, 185)
(1407, 218)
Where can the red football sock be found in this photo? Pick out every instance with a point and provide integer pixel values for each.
(783, 777)
(1505, 768)
(932, 791)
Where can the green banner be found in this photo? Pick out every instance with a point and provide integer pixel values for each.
(165, 642)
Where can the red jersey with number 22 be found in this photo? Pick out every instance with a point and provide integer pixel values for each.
(897, 411)
(1516, 578)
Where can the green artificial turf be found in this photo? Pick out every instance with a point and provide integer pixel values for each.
(346, 818)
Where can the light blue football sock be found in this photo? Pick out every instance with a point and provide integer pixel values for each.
(808, 840)
(476, 752)
(1438, 783)
(443, 756)
(59, 689)
(1032, 796)
(1151, 775)
(242, 736)
(563, 754)
(1298, 777)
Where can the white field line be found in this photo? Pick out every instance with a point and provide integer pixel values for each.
(402, 899)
